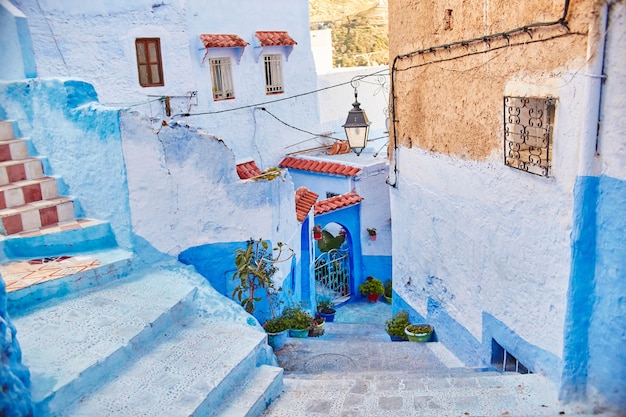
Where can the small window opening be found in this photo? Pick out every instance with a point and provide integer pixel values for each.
(503, 361)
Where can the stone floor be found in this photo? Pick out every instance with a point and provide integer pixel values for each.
(354, 370)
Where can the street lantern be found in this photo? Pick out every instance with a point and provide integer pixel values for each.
(357, 127)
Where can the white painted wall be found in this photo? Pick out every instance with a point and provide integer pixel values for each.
(185, 192)
(373, 94)
(79, 39)
(478, 236)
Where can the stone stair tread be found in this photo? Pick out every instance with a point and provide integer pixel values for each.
(103, 320)
(255, 395)
(180, 373)
(510, 394)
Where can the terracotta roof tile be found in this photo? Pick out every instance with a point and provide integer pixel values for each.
(222, 41)
(248, 170)
(275, 39)
(323, 167)
(337, 202)
(305, 199)
(340, 147)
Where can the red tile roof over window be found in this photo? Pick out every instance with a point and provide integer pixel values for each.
(305, 199)
(247, 170)
(337, 202)
(275, 39)
(222, 41)
(322, 167)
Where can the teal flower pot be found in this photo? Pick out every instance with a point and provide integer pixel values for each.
(299, 333)
(422, 335)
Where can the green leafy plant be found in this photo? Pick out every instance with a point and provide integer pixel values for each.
(388, 288)
(419, 328)
(372, 286)
(256, 265)
(396, 324)
(371, 231)
(276, 325)
(326, 305)
(298, 318)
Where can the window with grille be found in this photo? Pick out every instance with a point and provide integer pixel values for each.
(222, 79)
(528, 134)
(273, 74)
(149, 65)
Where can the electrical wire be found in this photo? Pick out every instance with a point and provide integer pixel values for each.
(377, 73)
(562, 21)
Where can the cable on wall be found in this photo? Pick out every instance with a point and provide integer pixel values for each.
(527, 29)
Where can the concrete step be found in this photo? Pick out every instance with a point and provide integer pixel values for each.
(316, 355)
(352, 331)
(23, 169)
(67, 342)
(35, 215)
(30, 284)
(257, 392)
(6, 130)
(402, 395)
(13, 149)
(22, 192)
(191, 369)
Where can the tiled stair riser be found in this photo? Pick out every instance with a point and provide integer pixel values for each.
(13, 149)
(6, 130)
(20, 193)
(20, 170)
(36, 215)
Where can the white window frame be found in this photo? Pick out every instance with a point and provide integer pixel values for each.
(273, 74)
(222, 79)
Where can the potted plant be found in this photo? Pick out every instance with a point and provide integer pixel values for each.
(299, 321)
(317, 326)
(396, 326)
(317, 232)
(419, 332)
(372, 288)
(255, 267)
(277, 330)
(388, 291)
(326, 308)
(371, 231)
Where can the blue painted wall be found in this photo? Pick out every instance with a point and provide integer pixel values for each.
(595, 344)
(216, 262)
(14, 376)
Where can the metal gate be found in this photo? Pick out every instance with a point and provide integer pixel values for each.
(332, 275)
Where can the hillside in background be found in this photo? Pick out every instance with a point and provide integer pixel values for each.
(359, 30)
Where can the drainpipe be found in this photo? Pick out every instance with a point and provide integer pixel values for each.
(593, 86)
(582, 286)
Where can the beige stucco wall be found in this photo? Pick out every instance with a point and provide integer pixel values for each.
(448, 104)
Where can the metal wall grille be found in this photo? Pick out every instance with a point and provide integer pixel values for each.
(222, 79)
(528, 134)
(273, 74)
(332, 275)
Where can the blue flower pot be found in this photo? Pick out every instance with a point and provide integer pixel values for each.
(277, 340)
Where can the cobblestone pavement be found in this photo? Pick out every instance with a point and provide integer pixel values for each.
(354, 370)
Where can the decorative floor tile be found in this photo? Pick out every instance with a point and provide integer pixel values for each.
(23, 274)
